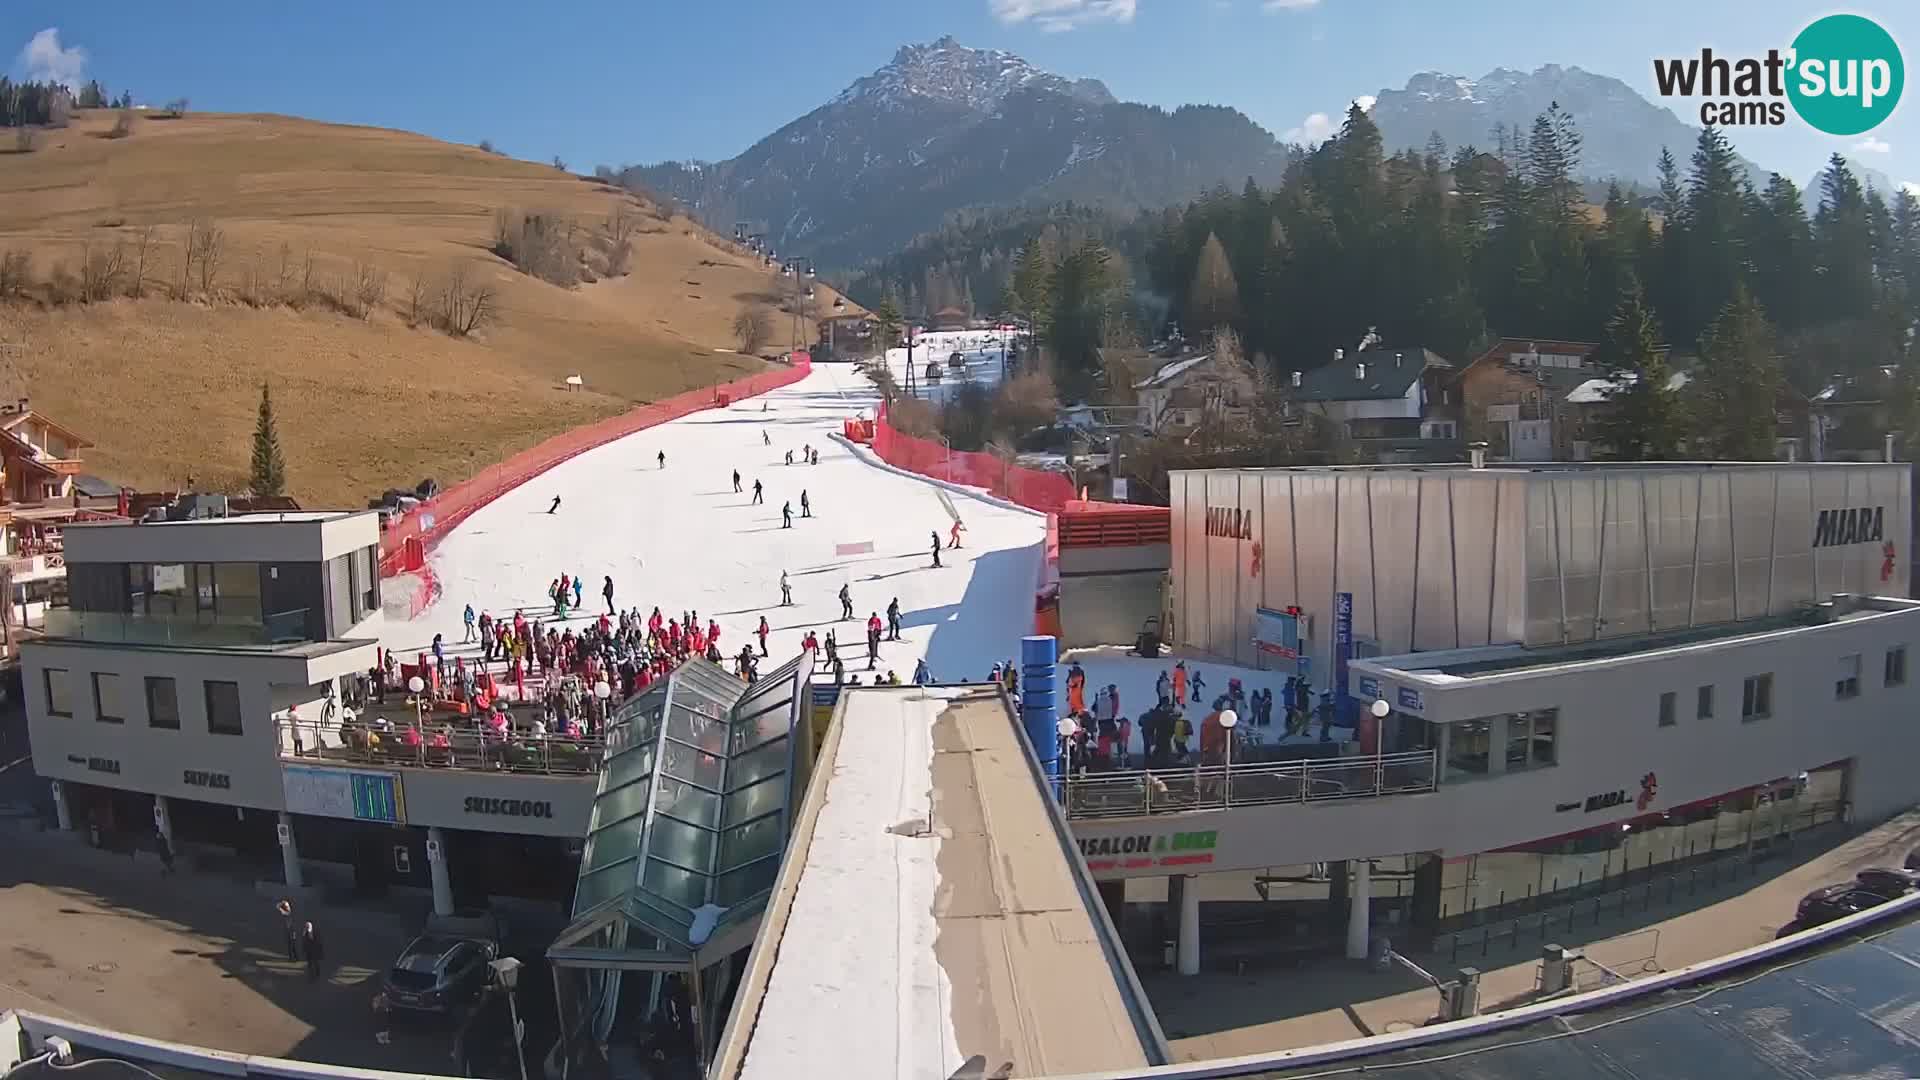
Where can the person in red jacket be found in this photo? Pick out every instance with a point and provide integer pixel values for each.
(762, 633)
(713, 632)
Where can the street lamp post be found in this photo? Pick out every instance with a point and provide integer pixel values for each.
(506, 974)
(1379, 709)
(418, 686)
(1066, 728)
(1229, 720)
(833, 324)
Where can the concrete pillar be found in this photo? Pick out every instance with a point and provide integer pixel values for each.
(1359, 908)
(1189, 952)
(61, 809)
(290, 852)
(163, 819)
(437, 866)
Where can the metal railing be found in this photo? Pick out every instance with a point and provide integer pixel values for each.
(1141, 792)
(186, 630)
(442, 747)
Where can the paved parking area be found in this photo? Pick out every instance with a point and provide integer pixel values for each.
(100, 938)
(1217, 1014)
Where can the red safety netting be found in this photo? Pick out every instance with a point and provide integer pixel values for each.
(403, 545)
(1035, 489)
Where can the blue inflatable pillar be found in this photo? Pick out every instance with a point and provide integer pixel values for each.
(1040, 700)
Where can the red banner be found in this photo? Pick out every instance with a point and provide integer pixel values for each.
(434, 518)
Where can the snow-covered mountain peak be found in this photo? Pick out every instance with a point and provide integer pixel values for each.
(975, 79)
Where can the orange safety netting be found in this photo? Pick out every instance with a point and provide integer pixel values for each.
(403, 545)
(1034, 489)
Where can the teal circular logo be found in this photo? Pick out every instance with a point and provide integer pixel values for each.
(1846, 76)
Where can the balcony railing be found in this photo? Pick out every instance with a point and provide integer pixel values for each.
(439, 747)
(1140, 792)
(198, 630)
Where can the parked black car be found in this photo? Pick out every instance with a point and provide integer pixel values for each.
(436, 973)
(1887, 882)
(1829, 902)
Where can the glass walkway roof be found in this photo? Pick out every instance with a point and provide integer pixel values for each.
(690, 820)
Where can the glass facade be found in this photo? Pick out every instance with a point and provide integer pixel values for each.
(693, 807)
(1501, 884)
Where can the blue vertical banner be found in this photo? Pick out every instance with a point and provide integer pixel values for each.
(1342, 654)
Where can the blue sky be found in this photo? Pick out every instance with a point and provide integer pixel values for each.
(609, 82)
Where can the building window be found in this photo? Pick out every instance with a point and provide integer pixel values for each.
(108, 707)
(163, 703)
(1847, 684)
(1896, 669)
(1530, 737)
(1756, 697)
(59, 695)
(223, 708)
(1703, 703)
(1669, 709)
(1467, 747)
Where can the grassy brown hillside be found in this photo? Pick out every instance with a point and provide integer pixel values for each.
(167, 387)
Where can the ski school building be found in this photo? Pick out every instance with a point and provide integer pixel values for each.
(1544, 665)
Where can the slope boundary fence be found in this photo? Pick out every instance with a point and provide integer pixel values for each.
(403, 545)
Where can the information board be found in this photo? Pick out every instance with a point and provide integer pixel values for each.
(344, 793)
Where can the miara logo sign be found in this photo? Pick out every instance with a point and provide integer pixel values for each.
(1860, 525)
(1229, 522)
(1843, 75)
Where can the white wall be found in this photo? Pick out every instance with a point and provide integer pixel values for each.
(1609, 738)
(157, 760)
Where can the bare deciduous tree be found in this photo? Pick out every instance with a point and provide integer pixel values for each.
(466, 301)
(306, 277)
(369, 287)
(751, 329)
(254, 288)
(283, 274)
(16, 269)
(418, 296)
(138, 287)
(101, 269)
(213, 245)
(190, 251)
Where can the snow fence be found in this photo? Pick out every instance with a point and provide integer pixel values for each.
(1035, 489)
(403, 545)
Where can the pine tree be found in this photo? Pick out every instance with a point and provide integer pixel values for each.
(1781, 247)
(1843, 244)
(1739, 377)
(1715, 232)
(1642, 421)
(268, 475)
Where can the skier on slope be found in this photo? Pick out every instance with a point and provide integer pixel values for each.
(953, 535)
(766, 438)
(789, 457)
(936, 549)
(758, 495)
(893, 620)
(606, 592)
(663, 459)
(806, 505)
(762, 633)
(786, 515)
(555, 506)
(736, 481)
(846, 602)
(786, 590)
